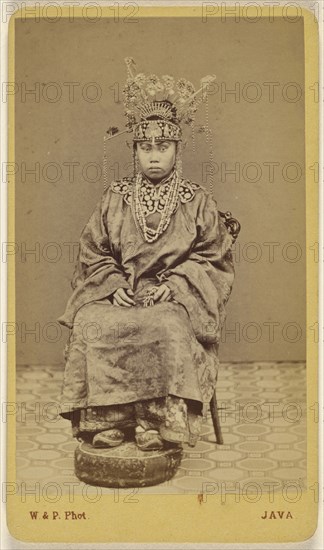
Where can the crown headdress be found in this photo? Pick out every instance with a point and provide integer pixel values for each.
(161, 109)
(157, 107)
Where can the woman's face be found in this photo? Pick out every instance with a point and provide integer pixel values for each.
(156, 159)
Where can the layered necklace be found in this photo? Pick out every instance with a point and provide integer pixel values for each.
(148, 198)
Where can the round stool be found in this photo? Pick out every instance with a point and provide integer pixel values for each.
(125, 465)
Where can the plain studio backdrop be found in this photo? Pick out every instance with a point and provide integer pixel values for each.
(76, 72)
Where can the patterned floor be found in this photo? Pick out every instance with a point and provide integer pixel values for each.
(263, 417)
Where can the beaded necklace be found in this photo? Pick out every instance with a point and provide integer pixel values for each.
(165, 205)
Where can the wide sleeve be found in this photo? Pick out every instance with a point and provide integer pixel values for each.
(97, 274)
(202, 283)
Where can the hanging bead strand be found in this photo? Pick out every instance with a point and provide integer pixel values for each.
(193, 136)
(211, 160)
(134, 162)
(105, 163)
(179, 158)
(209, 141)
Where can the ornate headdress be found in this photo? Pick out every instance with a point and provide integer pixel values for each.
(156, 108)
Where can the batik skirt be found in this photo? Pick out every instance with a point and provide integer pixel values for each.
(137, 366)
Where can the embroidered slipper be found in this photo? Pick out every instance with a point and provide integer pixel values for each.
(149, 440)
(108, 438)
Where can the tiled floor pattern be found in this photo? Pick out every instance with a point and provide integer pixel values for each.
(263, 416)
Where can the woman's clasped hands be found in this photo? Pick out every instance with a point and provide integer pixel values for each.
(123, 297)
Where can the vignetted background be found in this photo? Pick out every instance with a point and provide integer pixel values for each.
(75, 72)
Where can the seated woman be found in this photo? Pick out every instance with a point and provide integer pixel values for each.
(153, 276)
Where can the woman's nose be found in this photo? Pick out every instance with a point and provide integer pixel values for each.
(154, 157)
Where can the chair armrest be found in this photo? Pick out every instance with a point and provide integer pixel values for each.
(232, 224)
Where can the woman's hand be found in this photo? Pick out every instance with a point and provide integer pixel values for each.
(122, 297)
(163, 294)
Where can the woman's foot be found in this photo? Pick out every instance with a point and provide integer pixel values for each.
(108, 438)
(178, 437)
(148, 440)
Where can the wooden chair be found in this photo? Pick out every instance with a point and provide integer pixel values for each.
(233, 226)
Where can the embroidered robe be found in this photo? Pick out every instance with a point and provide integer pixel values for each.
(118, 355)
